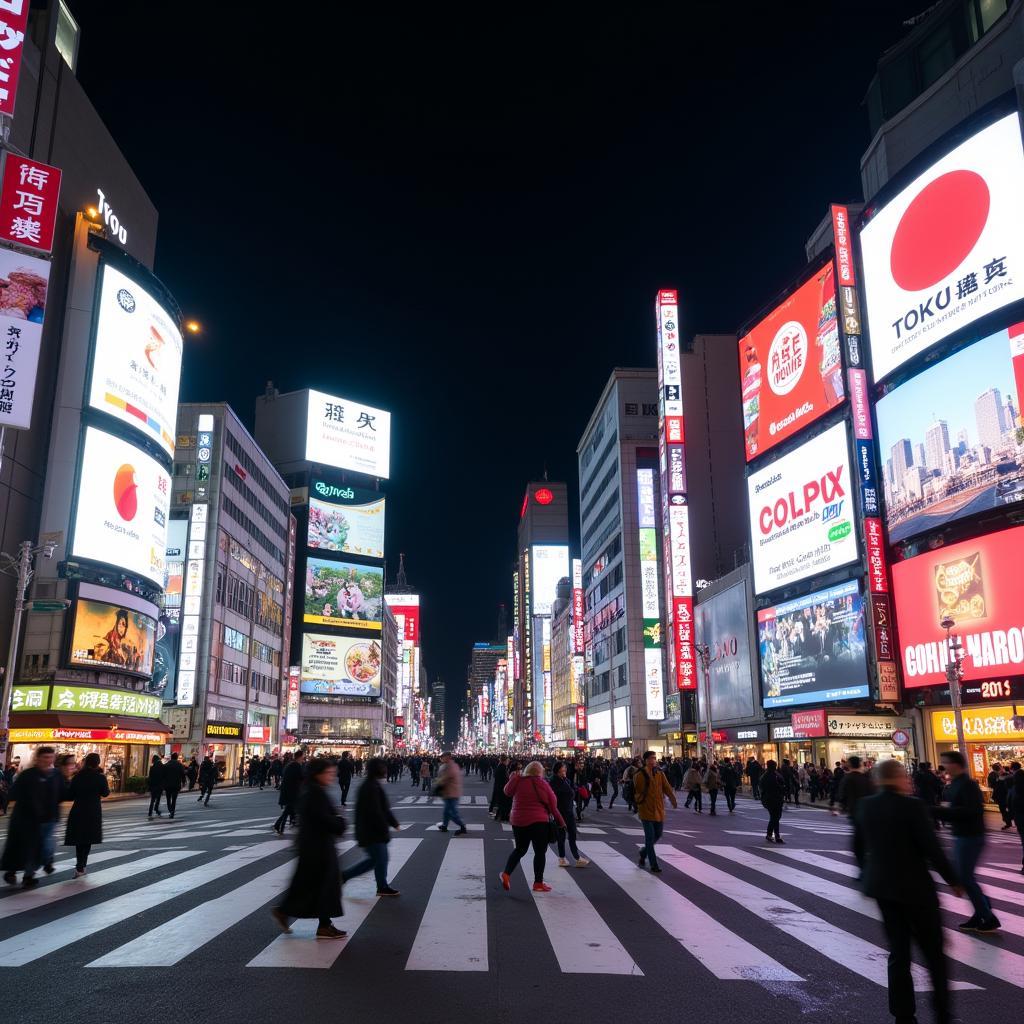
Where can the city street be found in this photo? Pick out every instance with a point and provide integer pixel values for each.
(176, 914)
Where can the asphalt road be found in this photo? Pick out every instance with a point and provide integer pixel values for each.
(172, 923)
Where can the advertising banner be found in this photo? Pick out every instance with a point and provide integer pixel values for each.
(981, 724)
(117, 702)
(843, 244)
(550, 564)
(340, 666)
(168, 630)
(346, 519)
(13, 26)
(948, 249)
(722, 624)
(121, 507)
(348, 435)
(136, 363)
(112, 638)
(292, 707)
(791, 368)
(878, 577)
(344, 594)
(859, 402)
(973, 456)
(813, 648)
(29, 199)
(801, 512)
(578, 610)
(23, 284)
(979, 584)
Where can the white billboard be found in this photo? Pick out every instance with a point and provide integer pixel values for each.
(121, 507)
(948, 249)
(136, 363)
(550, 564)
(23, 285)
(348, 435)
(801, 512)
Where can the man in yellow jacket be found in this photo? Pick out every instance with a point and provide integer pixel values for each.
(650, 787)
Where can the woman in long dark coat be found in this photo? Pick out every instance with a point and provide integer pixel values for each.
(85, 821)
(315, 890)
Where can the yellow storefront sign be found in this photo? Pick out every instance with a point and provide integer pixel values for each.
(981, 724)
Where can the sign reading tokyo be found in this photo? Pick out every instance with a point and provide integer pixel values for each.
(977, 583)
(121, 507)
(948, 249)
(136, 363)
(801, 512)
(348, 435)
(790, 365)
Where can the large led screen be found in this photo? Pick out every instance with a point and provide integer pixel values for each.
(348, 435)
(979, 584)
(951, 438)
(112, 638)
(722, 624)
(346, 519)
(812, 649)
(121, 507)
(801, 512)
(791, 368)
(948, 249)
(344, 594)
(550, 564)
(136, 363)
(340, 666)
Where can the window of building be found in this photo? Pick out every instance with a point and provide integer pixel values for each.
(67, 35)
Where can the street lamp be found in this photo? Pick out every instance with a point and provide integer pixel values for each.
(954, 673)
(704, 653)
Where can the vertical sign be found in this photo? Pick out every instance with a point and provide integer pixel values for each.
(24, 281)
(654, 684)
(292, 715)
(13, 22)
(192, 596)
(577, 606)
(846, 286)
(29, 198)
(675, 516)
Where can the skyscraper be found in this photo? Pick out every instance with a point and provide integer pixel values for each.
(936, 444)
(990, 417)
(902, 458)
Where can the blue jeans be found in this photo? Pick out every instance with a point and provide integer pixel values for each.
(376, 858)
(451, 812)
(966, 851)
(652, 833)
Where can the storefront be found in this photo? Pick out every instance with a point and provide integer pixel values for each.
(823, 738)
(741, 742)
(994, 734)
(223, 743)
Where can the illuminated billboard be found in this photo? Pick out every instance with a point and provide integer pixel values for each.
(979, 585)
(346, 519)
(340, 666)
(348, 435)
(121, 507)
(23, 286)
(115, 634)
(550, 564)
(722, 625)
(948, 249)
(790, 365)
(812, 648)
(801, 512)
(968, 458)
(136, 363)
(344, 594)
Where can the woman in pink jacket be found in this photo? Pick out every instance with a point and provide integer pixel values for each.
(533, 806)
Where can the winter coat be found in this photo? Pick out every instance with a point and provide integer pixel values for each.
(291, 784)
(31, 793)
(711, 780)
(156, 777)
(773, 788)
(207, 774)
(315, 889)
(449, 781)
(533, 801)
(565, 796)
(174, 776)
(374, 819)
(691, 780)
(500, 778)
(85, 821)
(649, 792)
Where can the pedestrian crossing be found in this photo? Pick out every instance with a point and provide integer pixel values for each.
(742, 913)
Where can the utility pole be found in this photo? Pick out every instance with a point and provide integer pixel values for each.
(954, 674)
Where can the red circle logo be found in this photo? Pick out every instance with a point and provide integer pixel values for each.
(126, 496)
(543, 496)
(938, 229)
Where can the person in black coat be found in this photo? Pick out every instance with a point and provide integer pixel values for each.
(192, 771)
(374, 821)
(174, 777)
(85, 821)
(899, 847)
(207, 780)
(346, 766)
(773, 798)
(565, 798)
(288, 794)
(156, 785)
(315, 890)
(498, 789)
(34, 807)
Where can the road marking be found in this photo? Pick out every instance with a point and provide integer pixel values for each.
(850, 951)
(67, 863)
(582, 942)
(723, 953)
(457, 907)
(37, 942)
(591, 830)
(472, 827)
(1004, 876)
(629, 831)
(506, 827)
(407, 800)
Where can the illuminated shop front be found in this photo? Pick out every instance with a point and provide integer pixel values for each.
(994, 735)
(825, 737)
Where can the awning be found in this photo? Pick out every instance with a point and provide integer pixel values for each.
(68, 727)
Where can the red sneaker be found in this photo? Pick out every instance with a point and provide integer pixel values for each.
(541, 887)
(506, 880)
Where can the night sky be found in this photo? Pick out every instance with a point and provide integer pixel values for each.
(464, 219)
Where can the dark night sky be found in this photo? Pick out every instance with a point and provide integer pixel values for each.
(465, 220)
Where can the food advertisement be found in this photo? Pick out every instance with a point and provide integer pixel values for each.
(344, 594)
(340, 666)
(23, 284)
(791, 368)
(112, 638)
(346, 519)
(980, 586)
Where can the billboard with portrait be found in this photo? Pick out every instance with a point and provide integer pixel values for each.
(340, 666)
(722, 623)
(112, 638)
(801, 512)
(136, 362)
(791, 369)
(344, 594)
(346, 519)
(972, 447)
(947, 249)
(121, 507)
(813, 648)
(348, 435)
(980, 586)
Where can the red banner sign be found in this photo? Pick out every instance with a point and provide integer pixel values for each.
(808, 724)
(844, 248)
(29, 197)
(686, 666)
(581, 718)
(877, 573)
(13, 22)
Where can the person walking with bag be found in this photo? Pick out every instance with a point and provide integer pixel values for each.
(650, 787)
(533, 809)
(374, 821)
(291, 789)
(563, 790)
(691, 783)
(773, 788)
(85, 820)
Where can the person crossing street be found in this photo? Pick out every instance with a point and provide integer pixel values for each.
(449, 788)
(650, 790)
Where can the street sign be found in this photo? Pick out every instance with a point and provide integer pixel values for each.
(901, 738)
(49, 606)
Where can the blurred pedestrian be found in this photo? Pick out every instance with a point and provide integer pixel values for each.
(156, 785)
(691, 783)
(449, 788)
(35, 807)
(174, 776)
(85, 820)
(208, 776)
(291, 789)
(855, 785)
(346, 767)
(374, 821)
(711, 781)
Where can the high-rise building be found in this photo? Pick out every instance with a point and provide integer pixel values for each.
(919, 456)
(936, 444)
(902, 457)
(566, 692)
(440, 710)
(480, 678)
(990, 417)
